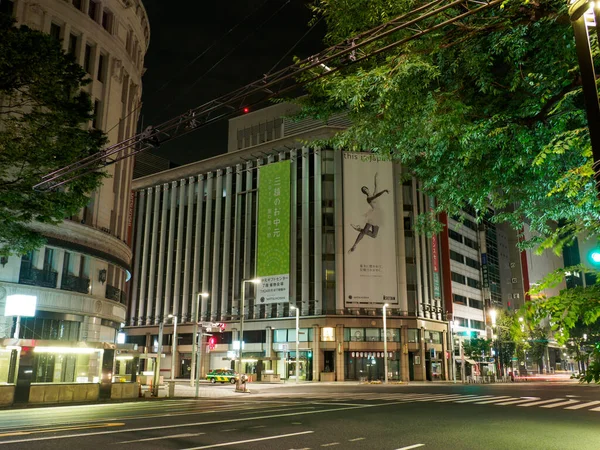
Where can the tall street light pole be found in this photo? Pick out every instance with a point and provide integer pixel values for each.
(158, 355)
(579, 13)
(194, 362)
(173, 346)
(242, 308)
(297, 341)
(385, 353)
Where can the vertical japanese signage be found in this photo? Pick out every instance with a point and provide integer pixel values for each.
(369, 231)
(435, 258)
(273, 252)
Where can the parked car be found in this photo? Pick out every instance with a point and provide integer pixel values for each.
(222, 376)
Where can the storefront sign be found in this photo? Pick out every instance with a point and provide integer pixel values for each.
(273, 249)
(369, 231)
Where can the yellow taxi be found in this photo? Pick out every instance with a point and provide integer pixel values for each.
(222, 376)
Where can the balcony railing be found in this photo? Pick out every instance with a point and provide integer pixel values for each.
(75, 284)
(37, 277)
(113, 293)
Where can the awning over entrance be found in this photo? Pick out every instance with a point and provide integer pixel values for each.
(470, 361)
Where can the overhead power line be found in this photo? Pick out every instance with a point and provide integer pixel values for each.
(414, 24)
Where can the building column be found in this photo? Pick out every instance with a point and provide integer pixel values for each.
(404, 361)
(339, 352)
(317, 353)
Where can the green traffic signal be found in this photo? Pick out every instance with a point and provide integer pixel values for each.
(594, 257)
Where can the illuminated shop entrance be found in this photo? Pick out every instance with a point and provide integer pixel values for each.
(369, 366)
(288, 363)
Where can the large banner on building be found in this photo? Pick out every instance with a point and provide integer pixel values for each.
(369, 231)
(273, 252)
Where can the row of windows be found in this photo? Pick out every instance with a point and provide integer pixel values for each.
(457, 277)
(455, 256)
(475, 324)
(370, 335)
(463, 239)
(462, 300)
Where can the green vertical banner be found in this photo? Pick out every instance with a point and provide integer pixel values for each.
(273, 250)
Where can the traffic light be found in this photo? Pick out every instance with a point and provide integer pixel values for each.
(593, 257)
(212, 341)
(221, 327)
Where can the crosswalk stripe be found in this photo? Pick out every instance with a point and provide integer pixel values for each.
(502, 398)
(446, 400)
(474, 399)
(585, 405)
(542, 402)
(556, 405)
(514, 402)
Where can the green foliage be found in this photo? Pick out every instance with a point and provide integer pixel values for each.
(486, 111)
(44, 116)
(477, 348)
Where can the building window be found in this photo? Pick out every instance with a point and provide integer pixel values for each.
(93, 10)
(107, 20)
(458, 278)
(97, 114)
(7, 6)
(55, 31)
(78, 4)
(473, 303)
(87, 59)
(472, 263)
(460, 299)
(471, 243)
(473, 283)
(477, 324)
(455, 256)
(433, 337)
(461, 322)
(454, 235)
(73, 45)
(413, 335)
(372, 335)
(101, 75)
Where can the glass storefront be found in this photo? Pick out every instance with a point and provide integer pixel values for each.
(369, 366)
(286, 366)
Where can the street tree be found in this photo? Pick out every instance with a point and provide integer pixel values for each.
(485, 112)
(44, 125)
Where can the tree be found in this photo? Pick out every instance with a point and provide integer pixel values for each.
(485, 112)
(44, 117)
(477, 348)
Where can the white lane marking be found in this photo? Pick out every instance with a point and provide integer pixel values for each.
(502, 398)
(514, 402)
(411, 446)
(257, 426)
(556, 405)
(585, 405)
(162, 437)
(356, 439)
(194, 424)
(572, 396)
(456, 397)
(276, 410)
(229, 429)
(227, 444)
(474, 399)
(296, 423)
(331, 444)
(542, 402)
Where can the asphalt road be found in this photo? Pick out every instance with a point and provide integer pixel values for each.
(521, 416)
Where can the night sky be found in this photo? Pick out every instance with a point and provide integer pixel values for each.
(180, 31)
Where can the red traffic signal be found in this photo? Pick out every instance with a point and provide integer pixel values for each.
(212, 341)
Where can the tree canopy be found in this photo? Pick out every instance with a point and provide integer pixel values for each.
(485, 112)
(44, 117)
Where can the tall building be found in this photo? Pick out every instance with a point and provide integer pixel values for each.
(80, 276)
(327, 232)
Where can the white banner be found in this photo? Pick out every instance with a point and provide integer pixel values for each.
(369, 231)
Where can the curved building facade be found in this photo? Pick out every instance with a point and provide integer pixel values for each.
(80, 276)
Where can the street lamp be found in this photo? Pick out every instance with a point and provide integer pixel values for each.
(297, 341)
(158, 355)
(385, 354)
(173, 345)
(195, 373)
(242, 307)
(452, 350)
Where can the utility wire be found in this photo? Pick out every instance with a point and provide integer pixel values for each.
(187, 91)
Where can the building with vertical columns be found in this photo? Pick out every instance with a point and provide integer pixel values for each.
(350, 249)
(80, 276)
